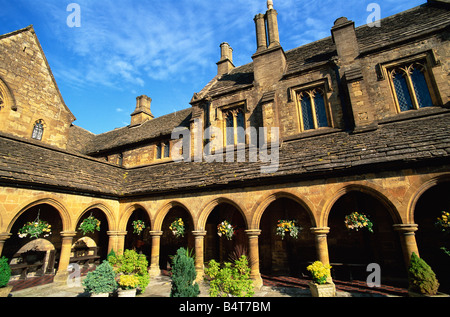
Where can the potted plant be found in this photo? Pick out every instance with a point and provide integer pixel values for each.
(320, 285)
(288, 227)
(5, 275)
(101, 282)
(177, 228)
(357, 221)
(35, 229)
(138, 226)
(422, 280)
(225, 229)
(128, 285)
(443, 225)
(89, 225)
(131, 263)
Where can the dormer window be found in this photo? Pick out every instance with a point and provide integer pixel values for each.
(411, 86)
(312, 106)
(38, 130)
(234, 126)
(163, 150)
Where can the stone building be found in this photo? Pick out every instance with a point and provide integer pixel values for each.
(364, 126)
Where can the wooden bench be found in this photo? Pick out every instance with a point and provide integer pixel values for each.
(83, 256)
(25, 263)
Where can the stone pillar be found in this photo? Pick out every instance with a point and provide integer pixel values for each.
(199, 254)
(155, 270)
(321, 244)
(253, 251)
(272, 28)
(64, 258)
(3, 237)
(408, 240)
(116, 241)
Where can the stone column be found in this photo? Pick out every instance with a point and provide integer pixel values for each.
(199, 254)
(254, 257)
(408, 240)
(155, 270)
(3, 237)
(64, 258)
(321, 243)
(116, 241)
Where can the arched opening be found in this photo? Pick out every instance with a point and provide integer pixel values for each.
(35, 256)
(139, 241)
(100, 238)
(170, 243)
(430, 238)
(221, 248)
(288, 256)
(352, 251)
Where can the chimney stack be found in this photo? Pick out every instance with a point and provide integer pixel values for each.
(225, 65)
(142, 113)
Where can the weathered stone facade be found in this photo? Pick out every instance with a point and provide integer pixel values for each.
(345, 145)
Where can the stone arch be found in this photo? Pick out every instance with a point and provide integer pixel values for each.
(106, 210)
(123, 221)
(6, 96)
(162, 213)
(418, 192)
(209, 207)
(327, 204)
(65, 217)
(265, 202)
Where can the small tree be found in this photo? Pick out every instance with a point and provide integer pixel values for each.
(102, 280)
(5, 272)
(184, 275)
(421, 277)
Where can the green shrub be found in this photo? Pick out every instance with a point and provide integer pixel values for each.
(102, 280)
(5, 272)
(131, 263)
(230, 280)
(421, 277)
(184, 275)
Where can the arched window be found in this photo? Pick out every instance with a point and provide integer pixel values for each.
(2, 101)
(234, 126)
(312, 104)
(410, 86)
(38, 130)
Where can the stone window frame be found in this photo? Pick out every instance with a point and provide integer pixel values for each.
(6, 97)
(39, 128)
(233, 110)
(427, 60)
(320, 85)
(160, 150)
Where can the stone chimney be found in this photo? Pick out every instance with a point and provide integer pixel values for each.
(344, 36)
(142, 113)
(225, 65)
(269, 61)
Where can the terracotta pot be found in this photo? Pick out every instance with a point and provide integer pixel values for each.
(324, 290)
(4, 291)
(126, 293)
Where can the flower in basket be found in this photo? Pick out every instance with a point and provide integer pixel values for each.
(128, 281)
(90, 225)
(35, 229)
(319, 272)
(288, 227)
(177, 228)
(226, 229)
(357, 221)
(442, 222)
(138, 226)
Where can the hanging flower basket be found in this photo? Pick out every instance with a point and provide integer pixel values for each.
(225, 229)
(442, 222)
(138, 226)
(35, 229)
(290, 227)
(177, 228)
(90, 225)
(357, 221)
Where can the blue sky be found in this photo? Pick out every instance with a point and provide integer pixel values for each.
(164, 49)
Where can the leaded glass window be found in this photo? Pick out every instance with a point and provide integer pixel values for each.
(410, 86)
(313, 109)
(159, 151)
(234, 126)
(167, 149)
(38, 130)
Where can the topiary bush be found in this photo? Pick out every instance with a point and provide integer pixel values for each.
(421, 277)
(5, 272)
(184, 275)
(102, 280)
(230, 280)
